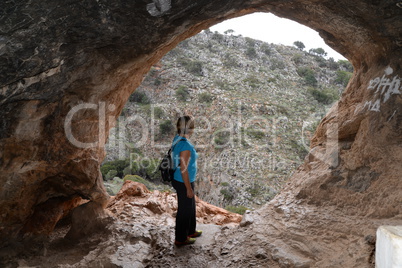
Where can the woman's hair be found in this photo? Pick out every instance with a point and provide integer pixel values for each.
(184, 123)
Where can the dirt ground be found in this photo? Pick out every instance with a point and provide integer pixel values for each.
(138, 231)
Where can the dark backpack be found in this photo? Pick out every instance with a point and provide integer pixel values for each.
(166, 166)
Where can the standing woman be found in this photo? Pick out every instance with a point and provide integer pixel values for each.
(185, 159)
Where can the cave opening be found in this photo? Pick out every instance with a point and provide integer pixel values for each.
(97, 52)
(256, 105)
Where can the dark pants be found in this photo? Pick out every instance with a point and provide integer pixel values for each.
(185, 218)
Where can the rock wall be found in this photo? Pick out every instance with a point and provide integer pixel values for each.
(67, 68)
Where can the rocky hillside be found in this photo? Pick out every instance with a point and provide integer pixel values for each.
(256, 106)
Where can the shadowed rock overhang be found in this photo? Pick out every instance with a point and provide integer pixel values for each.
(68, 66)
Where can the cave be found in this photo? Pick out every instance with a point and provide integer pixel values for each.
(58, 57)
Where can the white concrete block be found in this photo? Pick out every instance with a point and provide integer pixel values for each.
(388, 249)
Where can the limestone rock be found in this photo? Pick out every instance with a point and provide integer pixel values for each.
(88, 219)
(247, 219)
(131, 188)
(134, 199)
(66, 71)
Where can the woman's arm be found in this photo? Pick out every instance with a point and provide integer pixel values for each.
(184, 161)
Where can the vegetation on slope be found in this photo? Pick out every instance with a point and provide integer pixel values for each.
(256, 106)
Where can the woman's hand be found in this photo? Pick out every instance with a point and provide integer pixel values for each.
(190, 193)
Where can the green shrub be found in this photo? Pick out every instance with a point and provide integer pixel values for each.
(139, 97)
(302, 71)
(166, 127)
(297, 58)
(251, 52)
(157, 81)
(224, 85)
(225, 184)
(321, 62)
(325, 96)
(147, 109)
(217, 36)
(310, 80)
(127, 171)
(152, 169)
(308, 75)
(193, 67)
(221, 138)
(146, 168)
(266, 49)
(117, 165)
(300, 149)
(237, 209)
(343, 77)
(212, 47)
(256, 134)
(252, 81)
(158, 112)
(277, 64)
(111, 174)
(182, 93)
(254, 189)
(250, 41)
(271, 80)
(332, 64)
(113, 186)
(205, 97)
(230, 61)
(227, 194)
(282, 109)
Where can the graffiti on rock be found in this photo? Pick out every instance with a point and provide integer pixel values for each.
(384, 87)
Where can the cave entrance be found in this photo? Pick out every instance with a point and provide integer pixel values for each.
(256, 106)
(60, 57)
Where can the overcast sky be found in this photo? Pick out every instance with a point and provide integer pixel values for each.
(272, 29)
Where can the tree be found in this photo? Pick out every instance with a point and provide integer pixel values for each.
(299, 45)
(332, 64)
(318, 52)
(230, 31)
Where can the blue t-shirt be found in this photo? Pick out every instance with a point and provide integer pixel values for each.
(184, 145)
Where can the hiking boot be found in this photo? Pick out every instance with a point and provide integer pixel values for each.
(189, 241)
(196, 234)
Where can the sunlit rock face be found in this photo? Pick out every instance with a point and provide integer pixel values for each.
(68, 67)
